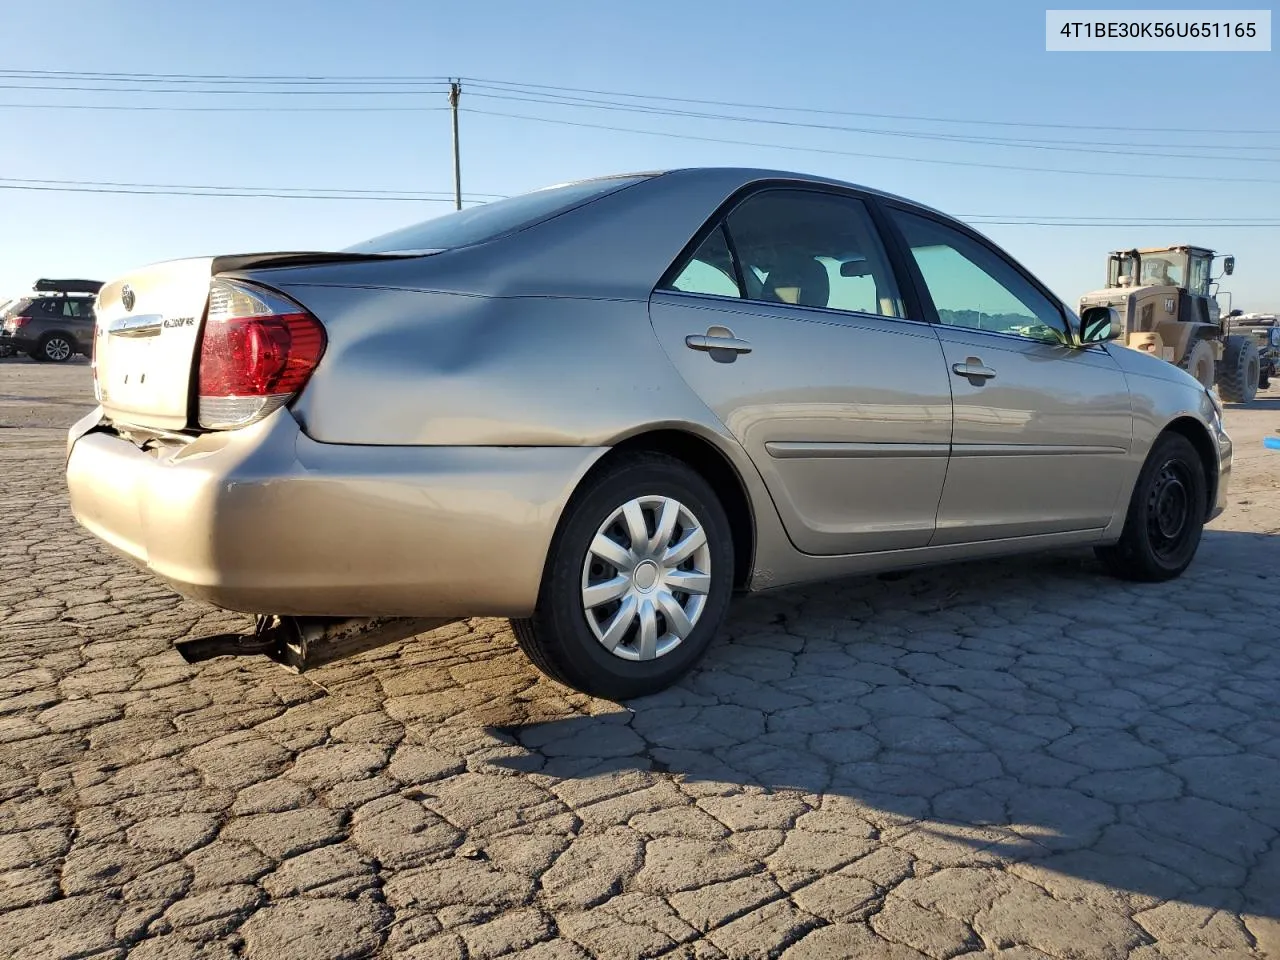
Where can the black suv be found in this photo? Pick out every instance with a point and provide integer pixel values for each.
(55, 323)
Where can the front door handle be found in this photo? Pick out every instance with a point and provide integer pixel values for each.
(974, 369)
(708, 342)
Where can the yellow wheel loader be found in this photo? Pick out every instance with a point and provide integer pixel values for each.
(1166, 300)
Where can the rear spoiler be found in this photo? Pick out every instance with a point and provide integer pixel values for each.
(248, 261)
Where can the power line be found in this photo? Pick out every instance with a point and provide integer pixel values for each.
(1166, 220)
(109, 186)
(856, 113)
(217, 77)
(1057, 171)
(216, 91)
(564, 100)
(1120, 223)
(1086, 147)
(194, 193)
(308, 190)
(1018, 143)
(551, 89)
(179, 108)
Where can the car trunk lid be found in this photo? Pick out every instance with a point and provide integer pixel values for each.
(148, 333)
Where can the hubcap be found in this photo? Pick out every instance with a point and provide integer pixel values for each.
(646, 578)
(1169, 509)
(57, 349)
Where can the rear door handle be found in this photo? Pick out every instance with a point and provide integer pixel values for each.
(974, 368)
(703, 341)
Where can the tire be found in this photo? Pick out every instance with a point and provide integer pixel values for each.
(1165, 521)
(1198, 361)
(54, 348)
(1238, 378)
(568, 641)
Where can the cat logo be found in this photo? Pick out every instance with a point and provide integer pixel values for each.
(1170, 304)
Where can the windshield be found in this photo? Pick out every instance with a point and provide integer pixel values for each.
(1164, 269)
(492, 220)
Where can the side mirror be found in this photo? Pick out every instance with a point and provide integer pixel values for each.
(1236, 313)
(1100, 324)
(1229, 266)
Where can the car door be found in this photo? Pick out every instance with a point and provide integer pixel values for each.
(79, 313)
(1042, 427)
(786, 318)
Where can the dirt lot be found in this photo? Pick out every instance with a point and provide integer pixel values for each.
(1015, 759)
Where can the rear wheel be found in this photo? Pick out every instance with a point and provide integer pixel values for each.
(637, 582)
(1239, 376)
(1165, 521)
(53, 347)
(1198, 361)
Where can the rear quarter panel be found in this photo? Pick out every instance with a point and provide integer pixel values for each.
(413, 368)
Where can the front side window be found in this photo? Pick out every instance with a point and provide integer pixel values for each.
(973, 287)
(797, 247)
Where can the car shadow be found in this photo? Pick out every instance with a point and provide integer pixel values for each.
(1259, 403)
(1029, 711)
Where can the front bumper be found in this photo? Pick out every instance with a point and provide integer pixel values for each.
(266, 520)
(1223, 444)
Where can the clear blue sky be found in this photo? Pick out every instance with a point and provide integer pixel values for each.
(970, 61)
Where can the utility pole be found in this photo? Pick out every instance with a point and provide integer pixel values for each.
(455, 90)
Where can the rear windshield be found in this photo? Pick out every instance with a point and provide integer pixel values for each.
(492, 220)
(13, 307)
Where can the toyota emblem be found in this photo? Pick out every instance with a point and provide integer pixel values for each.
(127, 297)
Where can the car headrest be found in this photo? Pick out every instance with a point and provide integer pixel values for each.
(803, 281)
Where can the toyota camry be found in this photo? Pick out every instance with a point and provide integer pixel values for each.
(602, 408)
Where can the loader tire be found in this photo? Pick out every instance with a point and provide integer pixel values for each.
(1198, 361)
(1238, 376)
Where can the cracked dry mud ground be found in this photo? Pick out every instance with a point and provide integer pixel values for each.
(1016, 759)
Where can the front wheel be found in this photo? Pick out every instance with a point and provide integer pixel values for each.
(637, 582)
(1165, 521)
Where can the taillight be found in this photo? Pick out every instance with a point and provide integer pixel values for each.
(93, 363)
(17, 323)
(258, 349)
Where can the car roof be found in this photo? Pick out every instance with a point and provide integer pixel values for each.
(747, 175)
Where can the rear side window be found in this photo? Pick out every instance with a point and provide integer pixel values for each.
(710, 270)
(490, 221)
(800, 247)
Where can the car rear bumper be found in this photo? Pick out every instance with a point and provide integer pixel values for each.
(18, 344)
(266, 520)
